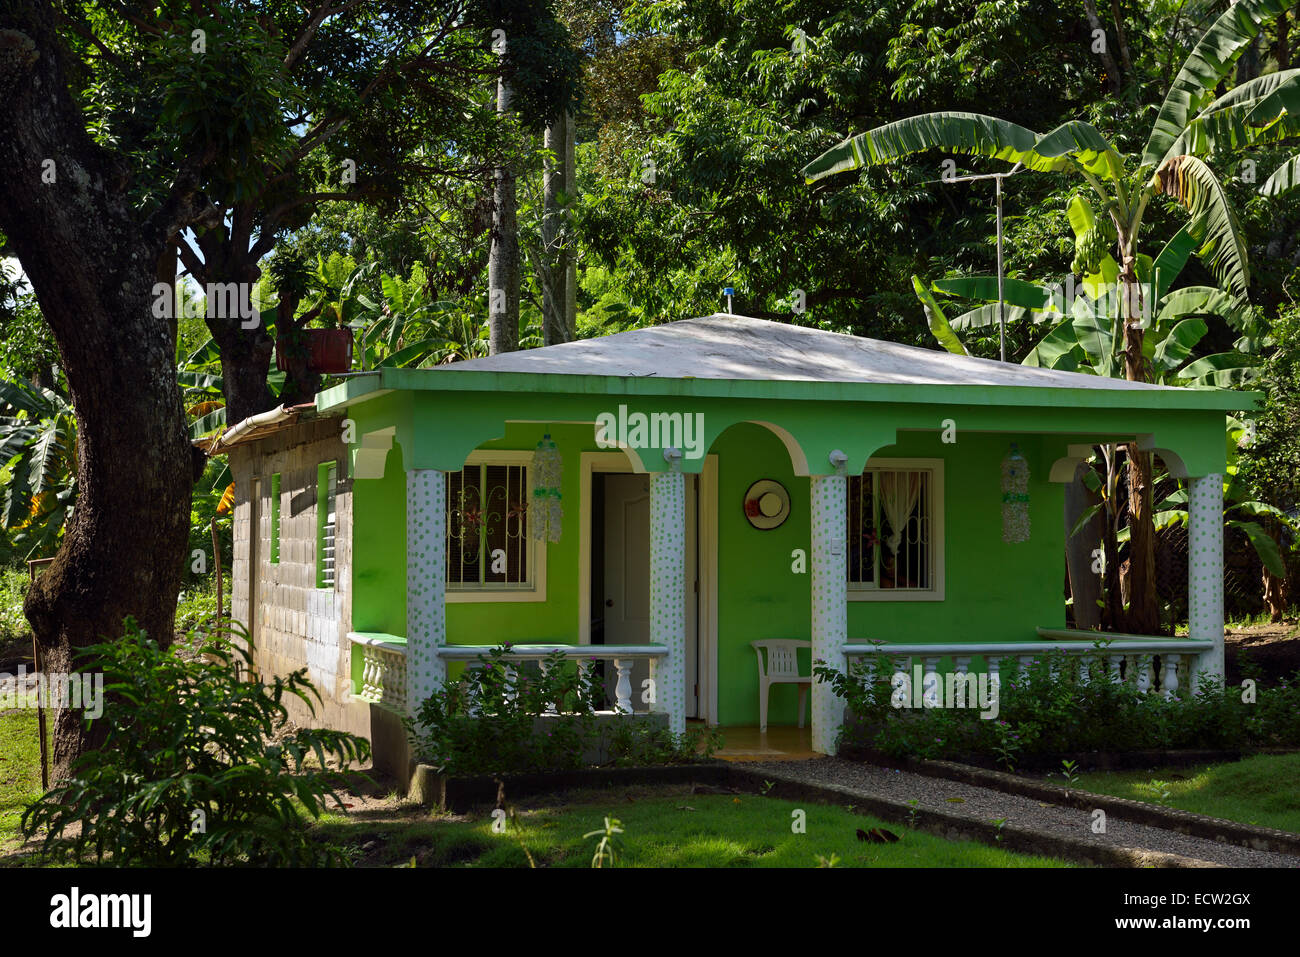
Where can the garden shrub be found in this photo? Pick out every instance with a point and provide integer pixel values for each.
(486, 722)
(14, 580)
(1045, 711)
(197, 766)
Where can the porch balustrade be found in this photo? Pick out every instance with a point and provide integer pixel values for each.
(383, 672)
(1166, 666)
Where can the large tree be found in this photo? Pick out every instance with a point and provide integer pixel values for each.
(356, 101)
(90, 237)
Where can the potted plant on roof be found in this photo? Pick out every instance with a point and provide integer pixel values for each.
(301, 351)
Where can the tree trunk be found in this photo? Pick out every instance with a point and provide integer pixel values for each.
(1107, 59)
(1085, 584)
(1275, 587)
(1113, 612)
(1144, 606)
(503, 258)
(92, 261)
(569, 260)
(554, 271)
(1248, 63)
(228, 275)
(1282, 50)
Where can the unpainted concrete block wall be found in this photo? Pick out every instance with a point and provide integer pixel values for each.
(295, 624)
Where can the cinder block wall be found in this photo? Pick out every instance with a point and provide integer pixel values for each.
(295, 624)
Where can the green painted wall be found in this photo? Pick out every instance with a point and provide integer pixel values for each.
(993, 591)
(379, 550)
(556, 619)
(758, 594)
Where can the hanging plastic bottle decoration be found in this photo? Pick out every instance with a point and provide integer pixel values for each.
(1015, 496)
(548, 472)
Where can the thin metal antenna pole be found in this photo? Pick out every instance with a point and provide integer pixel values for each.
(1002, 302)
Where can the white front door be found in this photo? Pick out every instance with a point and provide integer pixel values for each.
(626, 610)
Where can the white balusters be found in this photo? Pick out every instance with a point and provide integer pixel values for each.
(1143, 673)
(545, 670)
(962, 663)
(1115, 674)
(1169, 683)
(930, 683)
(623, 687)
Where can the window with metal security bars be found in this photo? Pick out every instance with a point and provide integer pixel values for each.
(326, 523)
(488, 544)
(894, 531)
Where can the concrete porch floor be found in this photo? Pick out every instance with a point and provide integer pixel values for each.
(778, 743)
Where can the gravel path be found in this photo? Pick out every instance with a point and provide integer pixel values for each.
(983, 804)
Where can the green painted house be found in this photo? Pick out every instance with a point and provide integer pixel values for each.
(661, 498)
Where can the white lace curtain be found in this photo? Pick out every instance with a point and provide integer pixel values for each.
(899, 494)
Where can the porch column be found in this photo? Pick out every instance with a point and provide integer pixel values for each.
(426, 583)
(1205, 572)
(668, 595)
(830, 617)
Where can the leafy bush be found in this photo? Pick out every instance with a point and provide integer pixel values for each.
(197, 606)
(492, 720)
(638, 745)
(13, 588)
(190, 770)
(1045, 711)
(483, 723)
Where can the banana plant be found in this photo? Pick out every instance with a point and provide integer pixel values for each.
(38, 458)
(1192, 123)
(1240, 511)
(1084, 332)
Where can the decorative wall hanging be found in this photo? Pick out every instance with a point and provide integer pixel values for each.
(1015, 496)
(767, 504)
(547, 474)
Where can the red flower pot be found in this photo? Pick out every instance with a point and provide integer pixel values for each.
(329, 351)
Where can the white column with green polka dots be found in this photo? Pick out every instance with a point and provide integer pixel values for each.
(426, 583)
(1205, 571)
(830, 615)
(668, 595)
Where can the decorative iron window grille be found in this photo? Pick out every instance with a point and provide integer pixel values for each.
(891, 541)
(488, 546)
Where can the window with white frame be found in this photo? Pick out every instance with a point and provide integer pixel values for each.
(489, 548)
(895, 530)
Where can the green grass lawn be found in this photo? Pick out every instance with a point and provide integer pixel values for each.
(663, 827)
(1262, 790)
(20, 772)
(687, 830)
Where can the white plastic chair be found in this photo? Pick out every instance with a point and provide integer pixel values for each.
(780, 667)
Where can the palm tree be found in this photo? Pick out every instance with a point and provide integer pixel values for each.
(1192, 123)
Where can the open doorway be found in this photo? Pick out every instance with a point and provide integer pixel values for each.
(620, 576)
